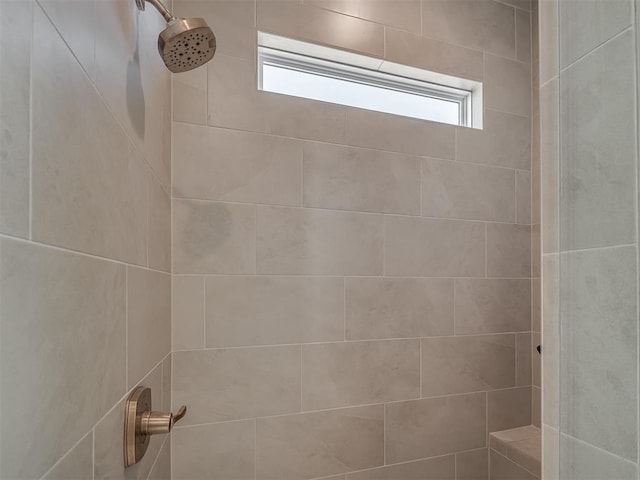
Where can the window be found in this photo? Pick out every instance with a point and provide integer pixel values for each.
(321, 73)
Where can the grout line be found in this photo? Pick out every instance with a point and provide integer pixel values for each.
(126, 325)
(255, 448)
(31, 68)
(312, 275)
(204, 312)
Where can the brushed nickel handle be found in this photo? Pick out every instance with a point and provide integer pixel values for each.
(182, 411)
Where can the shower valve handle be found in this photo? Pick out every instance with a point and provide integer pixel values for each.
(156, 423)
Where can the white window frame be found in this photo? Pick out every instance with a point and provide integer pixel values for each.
(324, 61)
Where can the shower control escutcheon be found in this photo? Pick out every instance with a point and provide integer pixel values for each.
(140, 422)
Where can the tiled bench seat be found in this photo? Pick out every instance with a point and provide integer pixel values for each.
(516, 454)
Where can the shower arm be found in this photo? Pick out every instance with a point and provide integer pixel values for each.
(159, 6)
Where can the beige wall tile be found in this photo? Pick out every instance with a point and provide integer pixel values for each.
(213, 237)
(108, 439)
(190, 94)
(317, 444)
(354, 373)
(188, 312)
(220, 451)
(232, 21)
(218, 164)
(321, 242)
(435, 426)
(382, 131)
(525, 349)
(473, 192)
(35, 349)
(507, 85)
(273, 310)
(523, 4)
(472, 465)
(408, 49)
(148, 321)
(234, 102)
(232, 384)
(508, 250)
(536, 406)
(403, 14)
(504, 469)
(439, 468)
(536, 304)
(551, 341)
(159, 228)
(548, 35)
(508, 408)
(523, 36)
(398, 307)
(303, 22)
(480, 24)
(504, 141)
(535, 360)
(452, 365)
(166, 384)
(347, 178)
(456, 248)
(96, 202)
(77, 462)
(492, 306)
(550, 454)
(15, 35)
(523, 197)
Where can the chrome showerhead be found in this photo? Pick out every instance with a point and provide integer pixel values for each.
(186, 43)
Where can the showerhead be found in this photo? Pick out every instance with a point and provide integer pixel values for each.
(186, 43)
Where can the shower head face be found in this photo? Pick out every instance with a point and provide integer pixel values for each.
(186, 44)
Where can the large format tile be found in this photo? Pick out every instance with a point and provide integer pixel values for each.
(467, 364)
(159, 227)
(273, 310)
(58, 344)
(398, 307)
(15, 35)
(311, 445)
(348, 178)
(507, 85)
(89, 190)
(382, 131)
(525, 350)
(213, 237)
(321, 242)
(473, 192)
(354, 373)
(598, 348)
(480, 24)
(582, 461)
(523, 197)
(548, 38)
(237, 383)
(492, 306)
(218, 164)
(509, 408)
(549, 166)
(504, 469)
(403, 14)
(304, 22)
(504, 141)
(161, 470)
(417, 51)
(583, 26)
(523, 36)
(148, 321)
(598, 148)
(187, 312)
(190, 93)
(472, 465)
(77, 464)
(435, 426)
(508, 250)
(439, 468)
(455, 248)
(222, 451)
(234, 102)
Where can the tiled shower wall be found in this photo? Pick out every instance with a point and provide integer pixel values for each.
(589, 182)
(85, 286)
(352, 290)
